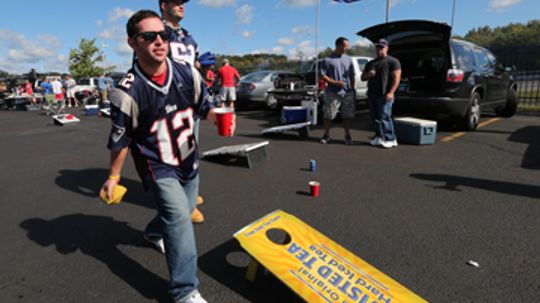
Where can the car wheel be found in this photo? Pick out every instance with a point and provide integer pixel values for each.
(472, 117)
(511, 105)
(271, 102)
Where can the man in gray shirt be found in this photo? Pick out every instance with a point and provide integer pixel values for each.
(337, 71)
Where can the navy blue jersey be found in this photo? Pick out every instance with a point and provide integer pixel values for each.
(182, 46)
(156, 122)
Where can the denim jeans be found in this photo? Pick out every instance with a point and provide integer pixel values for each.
(381, 114)
(174, 203)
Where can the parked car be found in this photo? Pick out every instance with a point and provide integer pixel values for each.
(86, 84)
(253, 88)
(443, 76)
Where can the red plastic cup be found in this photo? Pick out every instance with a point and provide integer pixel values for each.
(314, 187)
(224, 119)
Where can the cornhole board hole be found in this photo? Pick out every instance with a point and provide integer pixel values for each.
(105, 112)
(64, 119)
(251, 154)
(415, 131)
(91, 110)
(316, 268)
(302, 128)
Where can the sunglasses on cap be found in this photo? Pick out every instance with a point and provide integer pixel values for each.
(151, 36)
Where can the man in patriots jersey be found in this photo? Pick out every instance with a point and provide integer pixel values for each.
(182, 49)
(152, 112)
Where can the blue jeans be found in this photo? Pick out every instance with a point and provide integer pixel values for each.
(381, 114)
(174, 203)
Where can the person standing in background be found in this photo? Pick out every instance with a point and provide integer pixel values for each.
(228, 76)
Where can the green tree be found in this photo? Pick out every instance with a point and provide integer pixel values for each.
(83, 62)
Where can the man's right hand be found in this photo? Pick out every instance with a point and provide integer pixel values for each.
(108, 187)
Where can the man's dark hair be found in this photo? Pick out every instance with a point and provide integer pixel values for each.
(132, 26)
(341, 40)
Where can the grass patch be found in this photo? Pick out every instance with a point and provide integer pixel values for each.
(529, 108)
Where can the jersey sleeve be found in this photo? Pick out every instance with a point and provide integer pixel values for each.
(396, 65)
(202, 98)
(124, 113)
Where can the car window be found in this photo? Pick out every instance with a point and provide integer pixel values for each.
(481, 58)
(463, 57)
(255, 77)
(362, 64)
(491, 58)
(84, 82)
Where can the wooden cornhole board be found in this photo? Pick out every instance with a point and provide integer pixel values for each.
(315, 267)
(252, 152)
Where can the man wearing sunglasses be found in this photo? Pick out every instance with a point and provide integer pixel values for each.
(153, 111)
(183, 49)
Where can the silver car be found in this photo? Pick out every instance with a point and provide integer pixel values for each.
(253, 88)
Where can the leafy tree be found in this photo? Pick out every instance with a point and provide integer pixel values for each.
(83, 62)
(3, 73)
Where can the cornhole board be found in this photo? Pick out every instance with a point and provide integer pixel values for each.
(64, 119)
(253, 152)
(301, 127)
(315, 267)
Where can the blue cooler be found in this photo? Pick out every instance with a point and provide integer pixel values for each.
(91, 110)
(293, 114)
(415, 131)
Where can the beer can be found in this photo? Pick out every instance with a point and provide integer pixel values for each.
(312, 165)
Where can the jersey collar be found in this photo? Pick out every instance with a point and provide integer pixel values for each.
(162, 89)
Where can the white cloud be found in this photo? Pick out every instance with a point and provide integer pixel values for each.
(247, 34)
(363, 42)
(19, 54)
(118, 13)
(123, 49)
(501, 5)
(303, 50)
(114, 33)
(244, 14)
(217, 3)
(278, 50)
(58, 64)
(299, 3)
(396, 2)
(99, 22)
(304, 29)
(285, 41)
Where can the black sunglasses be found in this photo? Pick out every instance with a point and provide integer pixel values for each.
(151, 36)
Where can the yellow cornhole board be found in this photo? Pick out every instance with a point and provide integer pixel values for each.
(317, 268)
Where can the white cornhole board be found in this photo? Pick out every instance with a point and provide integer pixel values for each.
(302, 127)
(253, 152)
(64, 119)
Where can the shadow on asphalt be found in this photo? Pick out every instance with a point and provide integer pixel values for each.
(529, 135)
(453, 183)
(88, 182)
(99, 238)
(227, 265)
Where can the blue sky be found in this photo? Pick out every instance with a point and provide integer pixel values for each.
(39, 34)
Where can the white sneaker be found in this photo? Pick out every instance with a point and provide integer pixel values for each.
(377, 141)
(159, 245)
(193, 297)
(389, 144)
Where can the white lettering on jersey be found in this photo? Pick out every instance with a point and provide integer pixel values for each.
(182, 53)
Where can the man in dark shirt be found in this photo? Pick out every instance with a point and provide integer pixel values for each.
(383, 75)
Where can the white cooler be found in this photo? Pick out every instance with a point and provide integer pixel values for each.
(415, 131)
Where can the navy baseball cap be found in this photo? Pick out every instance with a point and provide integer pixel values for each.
(183, 1)
(382, 43)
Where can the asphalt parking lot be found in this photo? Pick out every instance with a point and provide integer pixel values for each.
(417, 213)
